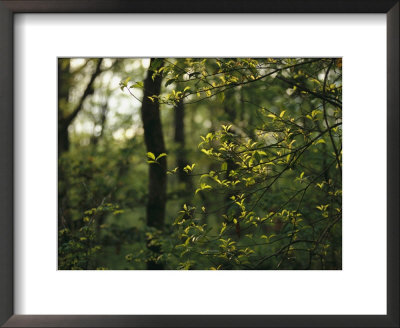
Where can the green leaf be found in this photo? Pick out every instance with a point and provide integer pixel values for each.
(156, 64)
(126, 81)
(319, 141)
(221, 96)
(169, 82)
(223, 228)
(161, 156)
(224, 166)
(137, 85)
(151, 155)
(202, 187)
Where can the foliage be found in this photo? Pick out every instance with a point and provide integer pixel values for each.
(264, 161)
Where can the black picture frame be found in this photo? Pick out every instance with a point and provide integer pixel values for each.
(10, 7)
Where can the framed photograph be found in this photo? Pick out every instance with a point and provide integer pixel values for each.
(199, 164)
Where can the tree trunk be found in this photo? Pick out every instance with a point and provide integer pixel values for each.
(179, 138)
(103, 118)
(63, 96)
(64, 121)
(63, 142)
(154, 140)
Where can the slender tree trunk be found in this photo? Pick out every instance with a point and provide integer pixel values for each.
(63, 142)
(103, 118)
(64, 121)
(179, 138)
(63, 95)
(154, 140)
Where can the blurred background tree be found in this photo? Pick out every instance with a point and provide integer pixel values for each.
(196, 163)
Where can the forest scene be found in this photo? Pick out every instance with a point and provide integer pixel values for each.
(199, 163)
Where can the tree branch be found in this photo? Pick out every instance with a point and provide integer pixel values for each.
(88, 91)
